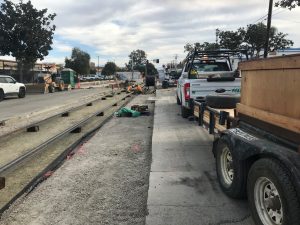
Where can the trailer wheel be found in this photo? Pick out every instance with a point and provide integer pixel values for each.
(178, 100)
(185, 112)
(271, 194)
(222, 101)
(232, 173)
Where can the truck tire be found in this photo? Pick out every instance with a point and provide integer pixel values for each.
(22, 93)
(178, 100)
(231, 172)
(165, 84)
(51, 89)
(185, 112)
(222, 101)
(61, 85)
(1, 95)
(271, 194)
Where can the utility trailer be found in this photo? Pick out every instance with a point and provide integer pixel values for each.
(257, 145)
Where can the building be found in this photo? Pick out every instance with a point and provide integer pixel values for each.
(10, 67)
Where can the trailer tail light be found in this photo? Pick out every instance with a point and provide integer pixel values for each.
(187, 91)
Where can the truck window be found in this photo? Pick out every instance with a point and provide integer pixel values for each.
(200, 69)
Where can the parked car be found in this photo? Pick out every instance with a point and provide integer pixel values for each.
(10, 87)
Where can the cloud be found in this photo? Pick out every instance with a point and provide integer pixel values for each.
(112, 29)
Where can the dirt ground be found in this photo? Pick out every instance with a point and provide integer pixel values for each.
(106, 182)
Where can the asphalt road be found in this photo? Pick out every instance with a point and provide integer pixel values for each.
(14, 106)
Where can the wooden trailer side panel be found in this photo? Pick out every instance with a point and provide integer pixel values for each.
(271, 91)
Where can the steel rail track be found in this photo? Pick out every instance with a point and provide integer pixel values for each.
(62, 156)
(54, 138)
(99, 98)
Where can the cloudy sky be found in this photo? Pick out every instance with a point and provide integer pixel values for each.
(111, 29)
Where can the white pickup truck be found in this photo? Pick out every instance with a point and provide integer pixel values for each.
(206, 73)
(9, 86)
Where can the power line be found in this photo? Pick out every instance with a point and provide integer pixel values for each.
(266, 15)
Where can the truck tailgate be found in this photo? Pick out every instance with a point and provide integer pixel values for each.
(202, 87)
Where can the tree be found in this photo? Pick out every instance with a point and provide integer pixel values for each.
(288, 3)
(26, 33)
(255, 38)
(137, 57)
(110, 68)
(232, 40)
(79, 61)
(206, 46)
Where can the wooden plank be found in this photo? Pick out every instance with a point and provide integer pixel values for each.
(275, 91)
(275, 119)
(283, 62)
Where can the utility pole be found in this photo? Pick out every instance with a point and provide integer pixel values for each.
(268, 28)
(176, 62)
(132, 68)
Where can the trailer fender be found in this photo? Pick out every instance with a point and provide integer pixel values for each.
(250, 147)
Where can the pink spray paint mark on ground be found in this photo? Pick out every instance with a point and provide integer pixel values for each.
(136, 148)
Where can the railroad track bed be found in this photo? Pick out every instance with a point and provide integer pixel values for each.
(29, 155)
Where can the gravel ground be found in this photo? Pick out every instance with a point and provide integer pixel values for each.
(106, 182)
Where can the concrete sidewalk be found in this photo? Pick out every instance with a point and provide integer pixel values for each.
(183, 185)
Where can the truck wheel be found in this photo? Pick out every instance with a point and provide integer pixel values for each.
(1, 95)
(165, 84)
(271, 194)
(222, 101)
(51, 89)
(232, 173)
(185, 113)
(61, 85)
(178, 101)
(22, 93)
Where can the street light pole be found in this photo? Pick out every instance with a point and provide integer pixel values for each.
(268, 28)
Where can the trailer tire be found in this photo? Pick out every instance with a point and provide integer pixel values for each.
(231, 172)
(178, 100)
(271, 194)
(1, 95)
(222, 101)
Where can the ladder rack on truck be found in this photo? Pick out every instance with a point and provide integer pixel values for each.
(257, 145)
